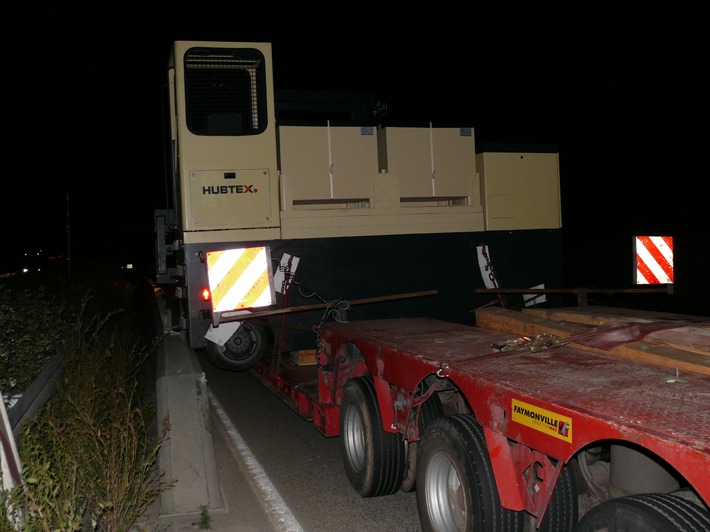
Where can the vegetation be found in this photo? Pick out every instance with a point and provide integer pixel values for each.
(205, 518)
(89, 457)
(36, 313)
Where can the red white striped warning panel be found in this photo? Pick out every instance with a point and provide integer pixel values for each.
(654, 259)
(240, 278)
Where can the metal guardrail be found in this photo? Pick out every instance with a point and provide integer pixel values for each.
(26, 407)
(36, 395)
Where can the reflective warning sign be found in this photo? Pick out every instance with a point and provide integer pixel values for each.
(654, 259)
(240, 278)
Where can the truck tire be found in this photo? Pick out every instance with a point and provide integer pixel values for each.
(456, 489)
(647, 512)
(430, 411)
(374, 460)
(243, 349)
(563, 511)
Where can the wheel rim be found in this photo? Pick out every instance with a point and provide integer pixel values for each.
(241, 344)
(354, 435)
(444, 494)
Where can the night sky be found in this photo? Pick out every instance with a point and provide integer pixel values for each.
(621, 91)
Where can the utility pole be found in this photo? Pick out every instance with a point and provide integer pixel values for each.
(68, 242)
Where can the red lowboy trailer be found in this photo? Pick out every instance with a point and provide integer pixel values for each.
(530, 431)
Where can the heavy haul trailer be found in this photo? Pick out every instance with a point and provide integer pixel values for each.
(501, 430)
(494, 428)
(340, 205)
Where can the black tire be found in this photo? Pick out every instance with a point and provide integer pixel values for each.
(456, 489)
(648, 512)
(374, 460)
(563, 511)
(430, 411)
(243, 349)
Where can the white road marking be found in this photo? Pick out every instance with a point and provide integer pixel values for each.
(274, 505)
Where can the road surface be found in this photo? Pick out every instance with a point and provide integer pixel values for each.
(300, 464)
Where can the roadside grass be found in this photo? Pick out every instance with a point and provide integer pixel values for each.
(89, 456)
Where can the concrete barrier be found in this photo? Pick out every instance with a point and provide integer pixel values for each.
(187, 455)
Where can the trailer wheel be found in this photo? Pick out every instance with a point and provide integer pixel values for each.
(648, 512)
(243, 349)
(430, 411)
(374, 460)
(456, 489)
(563, 511)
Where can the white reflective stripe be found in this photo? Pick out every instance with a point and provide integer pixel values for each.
(484, 263)
(288, 265)
(219, 268)
(274, 505)
(9, 455)
(241, 294)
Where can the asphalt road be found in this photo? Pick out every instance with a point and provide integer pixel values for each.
(300, 465)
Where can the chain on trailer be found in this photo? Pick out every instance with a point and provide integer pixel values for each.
(334, 310)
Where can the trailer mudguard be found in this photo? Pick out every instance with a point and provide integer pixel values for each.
(384, 399)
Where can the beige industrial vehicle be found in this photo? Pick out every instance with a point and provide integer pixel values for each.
(340, 207)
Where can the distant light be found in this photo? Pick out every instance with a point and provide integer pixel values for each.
(128, 266)
(25, 270)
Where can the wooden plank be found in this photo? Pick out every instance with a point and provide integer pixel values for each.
(691, 338)
(600, 315)
(518, 323)
(695, 338)
(304, 357)
(676, 356)
(670, 357)
(572, 314)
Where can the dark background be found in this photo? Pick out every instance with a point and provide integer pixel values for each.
(621, 90)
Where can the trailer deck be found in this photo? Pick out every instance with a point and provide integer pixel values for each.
(554, 401)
